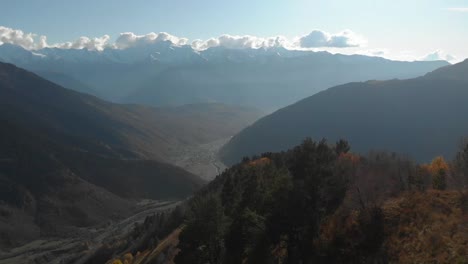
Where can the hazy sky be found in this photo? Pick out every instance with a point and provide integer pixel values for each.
(397, 28)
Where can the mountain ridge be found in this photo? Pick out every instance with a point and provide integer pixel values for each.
(169, 75)
(395, 115)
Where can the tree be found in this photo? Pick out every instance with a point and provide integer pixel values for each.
(417, 178)
(342, 147)
(439, 180)
(202, 238)
(437, 164)
(229, 194)
(438, 169)
(461, 164)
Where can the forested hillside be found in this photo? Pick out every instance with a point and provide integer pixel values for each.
(320, 203)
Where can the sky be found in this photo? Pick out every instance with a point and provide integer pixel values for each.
(399, 29)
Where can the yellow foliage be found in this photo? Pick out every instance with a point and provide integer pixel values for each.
(117, 261)
(128, 258)
(437, 165)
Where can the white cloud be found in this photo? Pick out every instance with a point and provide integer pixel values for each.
(129, 39)
(315, 39)
(18, 37)
(438, 55)
(241, 42)
(31, 41)
(345, 42)
(458, 9)
(86, 43)
(318, 39)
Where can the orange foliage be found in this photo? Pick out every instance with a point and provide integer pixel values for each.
(353, 158)
(260, 161)
(427, 227)
(437, 165)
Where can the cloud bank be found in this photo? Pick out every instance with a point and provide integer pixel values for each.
(320, 39)
(85, 43)
(240, 42)
(315, 39)
(28, 41)
(344, 42)
(129, 39)
(438, 55)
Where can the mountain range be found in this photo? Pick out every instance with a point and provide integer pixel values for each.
(165, 74)
(422, 117)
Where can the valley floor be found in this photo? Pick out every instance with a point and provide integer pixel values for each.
(78, 248)
(201, 160)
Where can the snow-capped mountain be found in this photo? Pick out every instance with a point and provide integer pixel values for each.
(163, 73)
(163, 52)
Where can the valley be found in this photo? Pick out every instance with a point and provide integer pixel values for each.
(83, 243)
(201, 159)
(263, 132)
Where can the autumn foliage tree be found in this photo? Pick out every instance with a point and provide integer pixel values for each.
(299, 206)
(439, 169)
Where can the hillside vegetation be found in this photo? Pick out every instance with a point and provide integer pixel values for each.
(320, 203)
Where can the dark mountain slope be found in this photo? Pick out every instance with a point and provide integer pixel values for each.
(101, 142)
(422, 117)
(454, 72)
(124, 130)
(40, 195)
(48, 188)
(67, 81)
(32, 101)
(65, 161)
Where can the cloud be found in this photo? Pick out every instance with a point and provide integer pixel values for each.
(129, 39)
(315, 39)
(320, 39)
(373, 52)
(31, 41)
(458, 9)
(240, 42)
(86, 43)
(438, 55)
(345, 42)
(18, 37)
